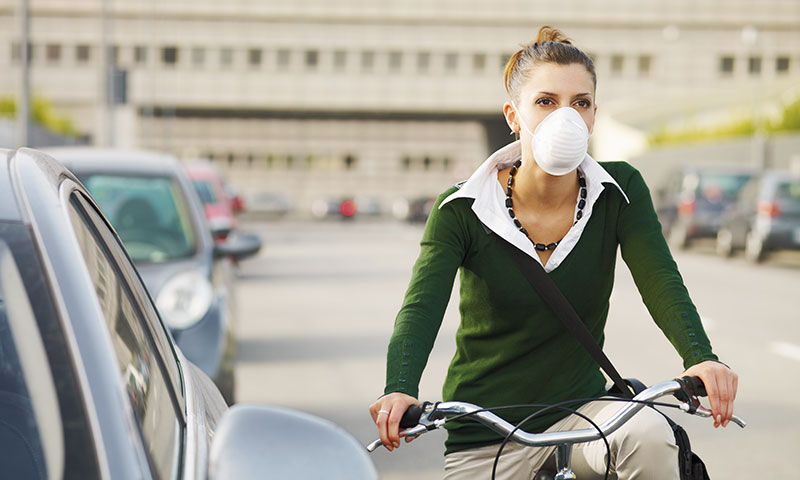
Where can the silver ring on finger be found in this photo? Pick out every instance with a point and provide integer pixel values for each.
(383, 411)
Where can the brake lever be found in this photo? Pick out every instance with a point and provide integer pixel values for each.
(429, 421)
(695, 408)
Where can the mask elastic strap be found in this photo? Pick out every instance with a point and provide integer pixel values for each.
(521, 120)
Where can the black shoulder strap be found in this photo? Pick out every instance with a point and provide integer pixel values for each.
(556, 300)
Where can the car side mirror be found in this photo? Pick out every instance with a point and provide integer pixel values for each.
(238, 246)
(259, 441)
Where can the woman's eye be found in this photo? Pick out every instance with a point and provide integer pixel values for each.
(544, 101)
(584, 103)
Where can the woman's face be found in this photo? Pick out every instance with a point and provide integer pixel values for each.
(552, 86)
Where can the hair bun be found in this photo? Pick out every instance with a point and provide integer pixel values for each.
(550, 34)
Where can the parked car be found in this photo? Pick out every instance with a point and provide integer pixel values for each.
(268, 204)
(219, 202)
(323, 208)
(765, 217)
(155, 209)
(691, 203)
(92, 385)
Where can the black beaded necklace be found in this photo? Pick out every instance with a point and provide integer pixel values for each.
(510, 205)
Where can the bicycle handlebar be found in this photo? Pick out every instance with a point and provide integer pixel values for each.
(433, 416)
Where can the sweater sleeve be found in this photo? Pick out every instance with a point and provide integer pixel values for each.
(656, 275)
(442, 251)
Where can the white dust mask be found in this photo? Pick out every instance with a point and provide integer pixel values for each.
(560, 141)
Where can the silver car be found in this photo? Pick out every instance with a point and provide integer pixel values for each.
(154, 208)
(91, 384)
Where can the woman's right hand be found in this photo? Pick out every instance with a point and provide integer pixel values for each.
(386, 413)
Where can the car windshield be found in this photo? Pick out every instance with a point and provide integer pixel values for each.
(205, 191)
(717, 186)
(150, 215)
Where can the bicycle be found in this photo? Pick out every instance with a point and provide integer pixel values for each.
(428, 416)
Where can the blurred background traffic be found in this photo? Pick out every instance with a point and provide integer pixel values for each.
(200, 121)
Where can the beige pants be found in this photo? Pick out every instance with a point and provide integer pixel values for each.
(642, 449)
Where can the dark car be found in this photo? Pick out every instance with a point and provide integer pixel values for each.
(92, 385)
(155, 209)
(691, 203)
(765, 217)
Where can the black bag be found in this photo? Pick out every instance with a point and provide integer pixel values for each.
(691, 466)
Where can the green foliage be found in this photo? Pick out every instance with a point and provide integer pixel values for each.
(789, 122)
(42, 113)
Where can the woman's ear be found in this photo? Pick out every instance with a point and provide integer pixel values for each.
(511, 117)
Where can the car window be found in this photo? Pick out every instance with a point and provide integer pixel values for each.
(140, 366)
(205, 191)
(33, 362)
(717, 186)
(31, 439)
(150, 214)
(788, 191)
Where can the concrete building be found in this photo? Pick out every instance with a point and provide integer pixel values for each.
(382, 99)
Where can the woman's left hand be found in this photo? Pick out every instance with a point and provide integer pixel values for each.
(721, 385)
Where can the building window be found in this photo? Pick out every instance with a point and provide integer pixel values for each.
(312, 59)
(53, 52)
(423, 61)
(283, 58)
(169, 55)
(395, 61)
(367, 60)
(254, 57)
(226, 57)
(451, 61)
(349, 162)
(782, 64)
(339, 59)
(479, 62)
(406, 163)
(82, 53)
(645, 62)
(617, 64)
(426, 162)
(140, 54)
(754, 65)
(198, 56)
(726, 65)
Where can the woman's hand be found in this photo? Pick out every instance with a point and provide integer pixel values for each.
(721, 385)
(387, 412)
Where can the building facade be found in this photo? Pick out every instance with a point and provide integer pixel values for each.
(383, 99)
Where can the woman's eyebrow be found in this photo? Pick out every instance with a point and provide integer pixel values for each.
(586, 94)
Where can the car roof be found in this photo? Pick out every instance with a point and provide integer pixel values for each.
(105, 160)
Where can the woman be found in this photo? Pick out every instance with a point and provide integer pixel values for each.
(551, 200)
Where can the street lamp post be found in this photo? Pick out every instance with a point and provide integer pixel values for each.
(23, 104)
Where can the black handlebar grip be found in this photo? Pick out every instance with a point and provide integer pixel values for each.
(695, 386)
(412, 416)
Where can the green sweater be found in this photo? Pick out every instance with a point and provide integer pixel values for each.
(510, 347)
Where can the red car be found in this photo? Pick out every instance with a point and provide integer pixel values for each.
(219, 203)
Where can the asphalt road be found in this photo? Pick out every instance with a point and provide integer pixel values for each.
(317, 306)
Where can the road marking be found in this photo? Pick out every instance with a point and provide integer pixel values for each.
(785, 349)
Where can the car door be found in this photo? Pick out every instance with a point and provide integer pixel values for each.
(147, 364)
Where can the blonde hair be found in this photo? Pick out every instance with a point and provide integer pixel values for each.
(550, 46)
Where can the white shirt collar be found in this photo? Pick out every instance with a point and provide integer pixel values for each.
(489, 201)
